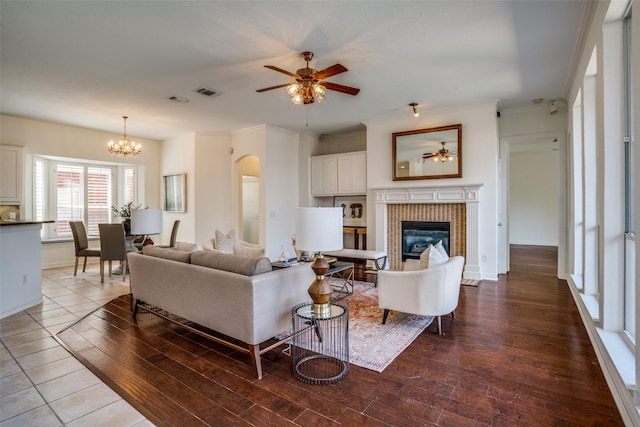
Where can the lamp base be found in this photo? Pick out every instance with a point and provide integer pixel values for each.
(321, 311)
(320, 290)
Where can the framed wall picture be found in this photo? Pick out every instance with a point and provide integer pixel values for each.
(174, 187)
(428, 153)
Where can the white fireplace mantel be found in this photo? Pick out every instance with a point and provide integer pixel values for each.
(467, 194)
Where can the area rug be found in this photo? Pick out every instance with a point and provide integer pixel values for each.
(470, 282)
(373, 345)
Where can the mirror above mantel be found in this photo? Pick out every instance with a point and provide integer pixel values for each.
(432, 153)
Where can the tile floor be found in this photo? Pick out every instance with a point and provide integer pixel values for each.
(41, 384)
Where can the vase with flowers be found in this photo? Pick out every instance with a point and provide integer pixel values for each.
(124, 212)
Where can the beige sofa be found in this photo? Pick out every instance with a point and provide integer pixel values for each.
(237, 296)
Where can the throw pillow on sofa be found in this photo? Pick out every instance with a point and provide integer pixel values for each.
(224, 242)
(249, 251)
(433, 256)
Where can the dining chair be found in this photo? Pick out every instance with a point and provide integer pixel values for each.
(174, 234)
(113, 247)
(82, 244)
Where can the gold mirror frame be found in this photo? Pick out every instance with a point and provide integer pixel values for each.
(414, 152)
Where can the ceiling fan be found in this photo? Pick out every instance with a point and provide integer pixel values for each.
(442, 155)
(309, 85)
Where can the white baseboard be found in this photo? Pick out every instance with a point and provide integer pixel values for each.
(621, 394)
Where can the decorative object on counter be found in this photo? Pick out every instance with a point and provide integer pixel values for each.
(319, 230)
(124, 147)
(145, 222)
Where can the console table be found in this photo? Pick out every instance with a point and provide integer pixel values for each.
(379, 258)
(344, 272)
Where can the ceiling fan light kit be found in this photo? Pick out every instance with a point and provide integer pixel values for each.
(442, 155)
(309, 85)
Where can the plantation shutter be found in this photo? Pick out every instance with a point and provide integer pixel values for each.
(70, 197)
(98, 198)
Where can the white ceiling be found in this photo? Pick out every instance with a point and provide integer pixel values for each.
(87, 63)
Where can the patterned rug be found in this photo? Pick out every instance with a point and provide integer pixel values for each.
(470, 282)
(373, 345)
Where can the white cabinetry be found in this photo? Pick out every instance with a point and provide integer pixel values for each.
(324, 175)
(352, 173)
(10, 174)
(339, 174)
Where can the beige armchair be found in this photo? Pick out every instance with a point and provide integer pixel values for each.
(430, 292)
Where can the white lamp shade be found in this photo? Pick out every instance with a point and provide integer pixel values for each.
(146, 221)
(319, 229)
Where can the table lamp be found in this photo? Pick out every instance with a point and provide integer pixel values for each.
(319, 230)
(145, 222)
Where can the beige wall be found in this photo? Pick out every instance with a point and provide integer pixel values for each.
(479, 166)
(52, 139)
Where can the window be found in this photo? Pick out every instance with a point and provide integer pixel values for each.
(73, 190)
(630, 226)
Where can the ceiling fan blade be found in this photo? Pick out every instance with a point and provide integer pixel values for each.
(273, 87)
(280, 70)
(429, 155)
(341, 88)
(330, 71)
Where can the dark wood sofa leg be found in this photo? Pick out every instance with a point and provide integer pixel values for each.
(254, 350)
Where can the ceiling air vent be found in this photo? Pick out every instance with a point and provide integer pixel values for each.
(207, 92)
(179, 99)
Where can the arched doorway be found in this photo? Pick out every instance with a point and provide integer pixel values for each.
(249, 174)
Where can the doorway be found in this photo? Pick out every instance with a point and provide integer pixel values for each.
(532, 195)
(249, 173)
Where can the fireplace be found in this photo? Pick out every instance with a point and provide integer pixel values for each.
(456, 204)
(418, 235)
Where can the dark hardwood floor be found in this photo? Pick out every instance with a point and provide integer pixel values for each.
(515, 355)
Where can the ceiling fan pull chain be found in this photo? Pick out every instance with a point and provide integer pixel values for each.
(307, 121)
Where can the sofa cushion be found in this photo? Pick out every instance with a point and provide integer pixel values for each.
(187, 247)
(233, 263)
(167, 253)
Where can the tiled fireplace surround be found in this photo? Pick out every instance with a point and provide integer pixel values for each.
(458, 205)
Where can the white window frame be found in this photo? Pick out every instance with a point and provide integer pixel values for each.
(119, 193)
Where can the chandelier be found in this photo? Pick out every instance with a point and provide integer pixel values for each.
(306, 92)
(124, 147)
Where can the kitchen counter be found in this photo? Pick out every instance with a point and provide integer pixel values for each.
(20, 266)
(9, 222)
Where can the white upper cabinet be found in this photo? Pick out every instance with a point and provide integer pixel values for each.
(339, 174)
(324, 175)
(10, 174)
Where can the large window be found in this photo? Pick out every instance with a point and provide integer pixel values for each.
(74, 190)
(630, 171)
